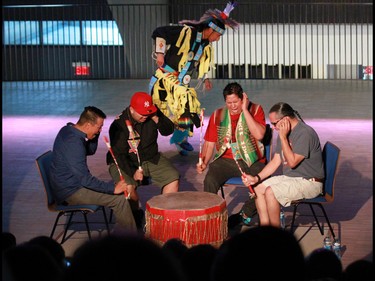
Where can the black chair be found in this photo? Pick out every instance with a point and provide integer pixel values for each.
(267, 142)
(43, 164)
(331, 155)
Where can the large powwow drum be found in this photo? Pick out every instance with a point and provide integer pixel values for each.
(192, 216)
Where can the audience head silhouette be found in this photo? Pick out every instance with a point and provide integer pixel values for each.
(359, 270)
(175, 247)
(8, 240)
(323, 264)
(32, 262)
(52, 247)
(274, 253)
(197, 262)
(271, 252)
(115, 257)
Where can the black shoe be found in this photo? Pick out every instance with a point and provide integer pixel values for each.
(234, 221)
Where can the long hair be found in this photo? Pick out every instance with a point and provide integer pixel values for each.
(283, 109)
(219, 18)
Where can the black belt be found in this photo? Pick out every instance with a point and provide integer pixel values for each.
(315, 179)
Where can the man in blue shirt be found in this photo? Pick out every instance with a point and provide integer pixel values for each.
(72, 182)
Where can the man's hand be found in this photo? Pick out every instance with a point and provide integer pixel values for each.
(248, 180)
(201, 167)
(138, 175)
(245, 102)
(160, 59)
(120, 187)
(207, 84)
(284, 127)
(155, 118)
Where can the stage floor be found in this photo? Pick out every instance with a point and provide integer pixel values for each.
(339, 110)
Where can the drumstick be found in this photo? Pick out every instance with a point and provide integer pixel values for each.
(252, 193)
(132, 143)
(200, 137)
(130, 128)
(118, 167)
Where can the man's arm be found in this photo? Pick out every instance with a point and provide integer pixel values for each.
(266, 172)
(207, 153)
(165, 125)
(76, 159)
(163, 36)
(292, 158)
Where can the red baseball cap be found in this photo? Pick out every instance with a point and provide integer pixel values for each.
(142, 103)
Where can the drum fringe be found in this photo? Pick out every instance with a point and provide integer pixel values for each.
(206, 229)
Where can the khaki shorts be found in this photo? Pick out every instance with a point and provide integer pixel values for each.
(161, 173)
(288, 189)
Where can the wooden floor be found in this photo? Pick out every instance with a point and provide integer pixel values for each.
(340, 111)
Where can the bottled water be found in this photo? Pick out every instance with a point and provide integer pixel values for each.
(327, 242)
(282, 219)
(337, 248)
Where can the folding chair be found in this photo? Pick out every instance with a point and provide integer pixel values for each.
(331, 155)
(43, 163)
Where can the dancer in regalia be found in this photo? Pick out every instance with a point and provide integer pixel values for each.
(183, 52)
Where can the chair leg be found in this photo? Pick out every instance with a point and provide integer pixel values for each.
(55, 224)
(87, 224)
(316, 219)
(67, 227)
(110, 216)
(222, 192)
(293, 218)
(327, 220)
(106, 220)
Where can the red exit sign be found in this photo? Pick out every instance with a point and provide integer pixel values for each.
(81, 68)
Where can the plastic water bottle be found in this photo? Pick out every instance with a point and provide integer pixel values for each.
(282, 219)
(327, 242)
(337, 248)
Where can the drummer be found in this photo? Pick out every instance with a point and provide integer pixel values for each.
(133, 138)
(241, 124)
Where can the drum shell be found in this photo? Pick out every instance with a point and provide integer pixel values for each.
(192, 216)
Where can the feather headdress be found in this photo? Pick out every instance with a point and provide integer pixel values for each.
(212, 15)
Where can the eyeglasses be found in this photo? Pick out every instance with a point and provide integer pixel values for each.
(275, 123)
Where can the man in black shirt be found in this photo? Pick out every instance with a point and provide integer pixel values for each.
(133, 139)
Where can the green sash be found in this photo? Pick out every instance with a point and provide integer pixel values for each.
(246, 145)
